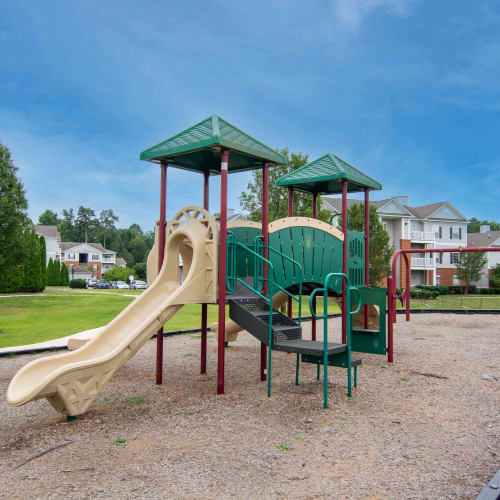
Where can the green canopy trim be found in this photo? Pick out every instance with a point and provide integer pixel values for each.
(199, 148)
(325, 175)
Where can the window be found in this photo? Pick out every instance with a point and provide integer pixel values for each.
(95, 256)
(455, 233)
(439, 258)
(438, 280)
(70, 256)
(438, 232)
(454, 258)
(385, 226)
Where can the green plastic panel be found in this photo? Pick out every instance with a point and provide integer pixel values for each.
(317, 251)
(370, 342)
(339, 359)
(244, 260)
(356, 257)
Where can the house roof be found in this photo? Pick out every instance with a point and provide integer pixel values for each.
(48, 231)
(421, 212)
(482, 240)
(198, 148)
(425, 210)
(67, 245)
(121, 260)
(324, 176)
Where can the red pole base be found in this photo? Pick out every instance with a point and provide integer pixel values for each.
(263, 361)
(159, 356)
(203, 354)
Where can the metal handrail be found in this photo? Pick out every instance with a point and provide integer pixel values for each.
(324, 316)
(231, 244)
(259, 245)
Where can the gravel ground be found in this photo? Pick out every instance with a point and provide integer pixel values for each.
(402, 435)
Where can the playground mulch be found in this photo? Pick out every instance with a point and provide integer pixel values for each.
(426, 427)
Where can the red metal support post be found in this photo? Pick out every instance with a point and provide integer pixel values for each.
(315, 216)
(367, 250)
(222, 271)
(344, 259)
(265, 240)
(161, 252)
(204, 314)
(289, 310)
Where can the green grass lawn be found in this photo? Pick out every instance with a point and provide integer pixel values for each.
(60, 312)
(456, 302)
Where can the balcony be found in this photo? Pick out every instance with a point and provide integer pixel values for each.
(422, 263)
(422, 235)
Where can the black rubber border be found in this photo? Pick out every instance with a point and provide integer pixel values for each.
(306, 318)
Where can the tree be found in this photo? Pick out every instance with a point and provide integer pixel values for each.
(64, 276)
(495, 277)
(52, 275)
(13, 214)
(32, 281)
(48, 218)
(85, 220)
(118, 274)
(380, 249)
(43, 260)
(140, 270)
(107, 221)
(67, 227)
(469, 267)
(475, 225)
(251, 199)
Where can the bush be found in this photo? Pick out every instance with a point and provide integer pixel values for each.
(459, 289)
(489, 291)
(77, 283)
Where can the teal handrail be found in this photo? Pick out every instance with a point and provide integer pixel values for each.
(257, 273)
(338, 215)
(232, 244)
(324, 316)
(258, 283)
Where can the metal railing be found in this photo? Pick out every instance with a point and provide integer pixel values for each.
(423, 262)
(422, 235)
(324, 316)
(258, 283)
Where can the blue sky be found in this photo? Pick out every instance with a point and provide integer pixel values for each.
(406, 90)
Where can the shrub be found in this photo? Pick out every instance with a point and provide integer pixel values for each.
(459, 289)
(64, 278)
(77, 283)
(489, 291)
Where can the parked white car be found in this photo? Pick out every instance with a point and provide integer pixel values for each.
(136, 285)
(120, 285)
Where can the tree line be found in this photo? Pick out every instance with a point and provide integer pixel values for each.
(22, 252)
(132, 243)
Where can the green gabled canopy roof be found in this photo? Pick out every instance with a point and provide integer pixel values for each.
(198, 148)
(325, 175)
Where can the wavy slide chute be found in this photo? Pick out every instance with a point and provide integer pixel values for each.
(71, 381)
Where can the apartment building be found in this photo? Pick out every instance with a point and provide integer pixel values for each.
(486, 239)
(86, 259)
(438, 225)
(52, 240)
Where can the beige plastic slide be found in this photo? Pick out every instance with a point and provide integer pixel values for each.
(72, 380)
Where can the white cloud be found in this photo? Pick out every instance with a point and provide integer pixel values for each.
(351, 13)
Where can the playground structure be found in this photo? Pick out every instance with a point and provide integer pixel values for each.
(255, 268)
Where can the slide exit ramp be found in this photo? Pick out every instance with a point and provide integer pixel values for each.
(71, 381)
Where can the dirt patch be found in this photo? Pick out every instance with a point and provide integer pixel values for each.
(406, 433)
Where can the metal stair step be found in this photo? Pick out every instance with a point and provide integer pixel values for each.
(312, 347)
